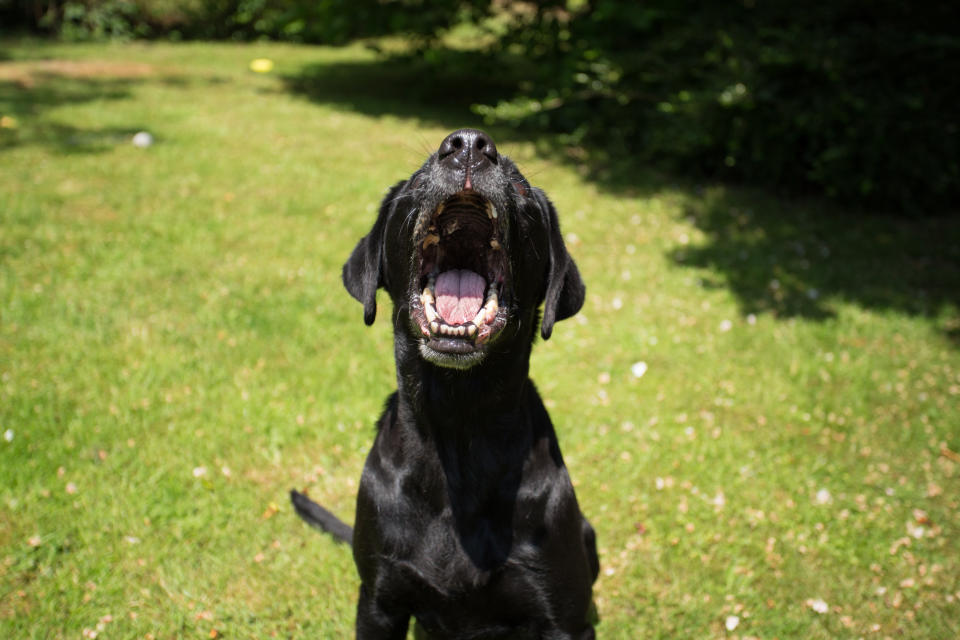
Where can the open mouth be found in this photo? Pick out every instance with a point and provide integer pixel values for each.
(463, 266)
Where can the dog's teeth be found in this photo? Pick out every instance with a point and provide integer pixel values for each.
(448, 330)
(427, 295)
(494, 244)
(430, 312)
(490, 308)
(491, 210)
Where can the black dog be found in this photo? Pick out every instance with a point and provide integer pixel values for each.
(466, 517)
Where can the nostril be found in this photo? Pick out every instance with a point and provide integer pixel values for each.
(457, 142)
(485, 146)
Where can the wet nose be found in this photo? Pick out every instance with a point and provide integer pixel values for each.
(468, 148)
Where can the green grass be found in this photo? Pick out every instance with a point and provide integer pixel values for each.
(176, 351)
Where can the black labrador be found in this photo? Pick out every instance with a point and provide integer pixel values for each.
(466, 518)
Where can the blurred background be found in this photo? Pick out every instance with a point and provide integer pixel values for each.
(809, 99)
(759, 404)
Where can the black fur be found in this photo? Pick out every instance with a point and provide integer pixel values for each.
(466, 517)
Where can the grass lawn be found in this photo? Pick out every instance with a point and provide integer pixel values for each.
(759, 403)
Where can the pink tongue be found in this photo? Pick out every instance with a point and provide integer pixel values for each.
(459, 295)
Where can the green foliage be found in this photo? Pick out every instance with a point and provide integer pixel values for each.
(828, 98)
(324, 21)
(107, 20)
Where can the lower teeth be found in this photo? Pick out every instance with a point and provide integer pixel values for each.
(485, 315)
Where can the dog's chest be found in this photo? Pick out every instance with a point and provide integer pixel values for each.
(449, 561)
(457, 579)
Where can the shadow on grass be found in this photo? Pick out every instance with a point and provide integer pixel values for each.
(801, 259)
(441, 87)
(25, 100)
(784, 258)
(28, 93)
(437, 89)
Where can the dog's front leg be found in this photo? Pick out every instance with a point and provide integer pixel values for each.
(377, 622)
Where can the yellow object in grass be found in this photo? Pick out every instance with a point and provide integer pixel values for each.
(261, 65)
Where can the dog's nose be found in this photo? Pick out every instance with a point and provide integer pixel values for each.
(468, 148)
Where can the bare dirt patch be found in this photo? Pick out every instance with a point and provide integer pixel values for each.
(26, 74)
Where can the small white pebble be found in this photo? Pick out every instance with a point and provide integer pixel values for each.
(638, 369)
(819, 606)
(616, 303)
(199, 472)
(8, 435)
(142, 140)
(823, 496)
(732, 622)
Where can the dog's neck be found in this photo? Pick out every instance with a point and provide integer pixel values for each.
(481, 423)
(451, 403)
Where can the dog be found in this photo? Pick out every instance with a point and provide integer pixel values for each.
(466, 518)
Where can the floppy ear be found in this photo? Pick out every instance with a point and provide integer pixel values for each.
(565, 289)
(363, 271)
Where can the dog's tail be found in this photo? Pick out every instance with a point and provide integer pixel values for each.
(316, 516)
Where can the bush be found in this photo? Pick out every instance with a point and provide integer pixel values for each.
(858, 105)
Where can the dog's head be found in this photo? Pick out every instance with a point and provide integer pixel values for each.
(468, 251)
